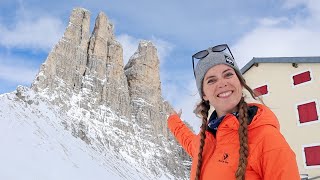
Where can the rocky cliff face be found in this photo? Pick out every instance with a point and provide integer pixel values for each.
(110, 106)
(142, 73)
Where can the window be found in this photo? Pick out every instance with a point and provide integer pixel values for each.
(262, 90)
(312, 155)
(307, 112)
(301, 78)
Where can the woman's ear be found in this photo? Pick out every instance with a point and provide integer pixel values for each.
(205, 98)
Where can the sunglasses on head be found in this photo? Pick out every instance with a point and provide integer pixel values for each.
(202, 54)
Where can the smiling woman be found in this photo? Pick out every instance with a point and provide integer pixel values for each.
(239, 140)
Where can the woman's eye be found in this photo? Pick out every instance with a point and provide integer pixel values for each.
(211, 81)
(229, 74)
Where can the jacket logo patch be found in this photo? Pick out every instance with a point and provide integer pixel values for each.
(224, 158)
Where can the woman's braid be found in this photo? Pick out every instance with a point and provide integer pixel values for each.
(202, 109)
(243, 138)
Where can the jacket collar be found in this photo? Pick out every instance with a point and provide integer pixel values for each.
(214, 121)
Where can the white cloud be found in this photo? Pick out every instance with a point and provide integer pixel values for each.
(16, 69)
(130, 45)
(17, 74)
(187, 103)
(31, 33)
(28, 31)
(273, 21)
(299, 36)
(164, 48)
(24, 75)
(182, 92)
(294, 3)
(277, 42)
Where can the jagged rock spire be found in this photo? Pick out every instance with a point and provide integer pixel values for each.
(106, 78)
(67, 60)
(142, 71)
(143, 75)
(78, 30)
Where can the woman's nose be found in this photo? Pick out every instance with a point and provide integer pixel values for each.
(222, 83)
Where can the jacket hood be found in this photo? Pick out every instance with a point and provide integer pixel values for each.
(264, 116)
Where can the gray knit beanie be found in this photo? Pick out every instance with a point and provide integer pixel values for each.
(212, 59)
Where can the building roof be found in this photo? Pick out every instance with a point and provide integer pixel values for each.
(254, 60)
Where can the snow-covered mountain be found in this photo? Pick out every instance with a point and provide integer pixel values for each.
(87, 116)
(36, 145)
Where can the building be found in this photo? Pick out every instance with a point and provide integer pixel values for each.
(290, 87)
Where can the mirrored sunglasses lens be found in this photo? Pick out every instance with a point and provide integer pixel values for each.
(219, 48)
(201, 54)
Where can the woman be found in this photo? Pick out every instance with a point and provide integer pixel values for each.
(239, 140)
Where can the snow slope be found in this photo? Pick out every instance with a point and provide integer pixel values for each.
(35, 146)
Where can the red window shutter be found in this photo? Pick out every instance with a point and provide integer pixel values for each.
(262, 90)
(301, 78)
(312, 155)
(307, 112)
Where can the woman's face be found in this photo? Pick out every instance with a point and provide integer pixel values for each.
(222, 88)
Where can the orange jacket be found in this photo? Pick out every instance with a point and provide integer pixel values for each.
(270, 156)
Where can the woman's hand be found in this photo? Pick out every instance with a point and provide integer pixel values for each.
(173, 112)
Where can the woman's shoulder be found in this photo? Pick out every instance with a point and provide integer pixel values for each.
(266, 137)
(263, 117)
(264, 130)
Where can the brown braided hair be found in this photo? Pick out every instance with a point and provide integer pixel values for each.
(202, 109)
(243, 139)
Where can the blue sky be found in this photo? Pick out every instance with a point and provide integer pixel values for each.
(265, 28)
